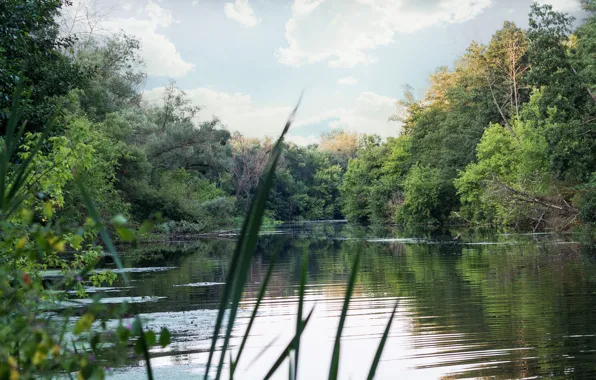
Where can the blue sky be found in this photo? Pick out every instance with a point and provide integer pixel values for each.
(246, 61)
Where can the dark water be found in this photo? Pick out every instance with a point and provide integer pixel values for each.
(480, 306)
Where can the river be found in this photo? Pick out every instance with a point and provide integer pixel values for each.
(471, 304)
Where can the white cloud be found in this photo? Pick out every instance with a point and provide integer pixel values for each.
(348, 81)
(236, 111)
(370, 114)
(563, 5)
(301, 140)
(158, 51)
(241, 11)
(343, 33)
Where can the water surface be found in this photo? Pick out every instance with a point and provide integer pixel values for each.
(475, 306)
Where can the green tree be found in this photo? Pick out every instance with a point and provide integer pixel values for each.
(423, 192)
(31, 53)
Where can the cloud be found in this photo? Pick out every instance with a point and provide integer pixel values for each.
(370, 114)
(348, 81)
(301, 140)
(563, 5)
(241, 11)
(343, 33)
(158, 51)
(235, 110)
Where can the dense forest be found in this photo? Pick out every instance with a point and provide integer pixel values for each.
(506, 137)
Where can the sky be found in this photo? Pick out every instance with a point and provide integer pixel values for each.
(246, 62)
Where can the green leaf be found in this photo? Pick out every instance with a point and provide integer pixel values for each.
(150, 338)
(146, 227)
(119, 220)
(136, 327)
(165, 337)
(94, 341)
(139, 346)
(125, 233)
(123, 333)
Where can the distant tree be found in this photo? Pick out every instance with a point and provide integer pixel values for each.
(341, 144)
(249, 160)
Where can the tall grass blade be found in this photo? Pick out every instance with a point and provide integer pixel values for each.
(231, 367)
(24, 168)
(145, 348)
(107, 240)
(263, 350)
(375, 363)
(244, 250)
(290, 367)
(303, 271)
(260, 297)
(334, 369)
(10, 141)
(286, 351)
(103, 232)
(15, 113)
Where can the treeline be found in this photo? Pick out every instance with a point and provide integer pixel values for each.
(138, 159)
(507, 137)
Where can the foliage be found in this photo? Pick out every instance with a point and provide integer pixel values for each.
(39, 334)
(362, 172)
(587, 201)
(115, 74)
(342, 145)
(422, 191)
(506, 137)
(31, 54)
(327, 180)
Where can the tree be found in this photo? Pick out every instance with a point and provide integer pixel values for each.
(326, 188)
(512, 183)
(249, 160)
(117, 75)
(361, 175)
(31, 53)
(422, 193)
(340, 144)
(507, 64)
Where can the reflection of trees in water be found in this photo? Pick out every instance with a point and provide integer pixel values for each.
(203, 261)
(508, 296)
(526, 292)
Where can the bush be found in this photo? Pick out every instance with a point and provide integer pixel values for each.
(587, 202)
(422, 189)
(182, 227)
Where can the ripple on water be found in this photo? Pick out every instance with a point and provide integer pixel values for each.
(468, 308)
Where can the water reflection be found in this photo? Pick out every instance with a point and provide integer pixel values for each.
(482, 305)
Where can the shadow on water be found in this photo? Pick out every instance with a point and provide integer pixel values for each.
(473, 303)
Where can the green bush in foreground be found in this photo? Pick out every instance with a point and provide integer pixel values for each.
(39, 334)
